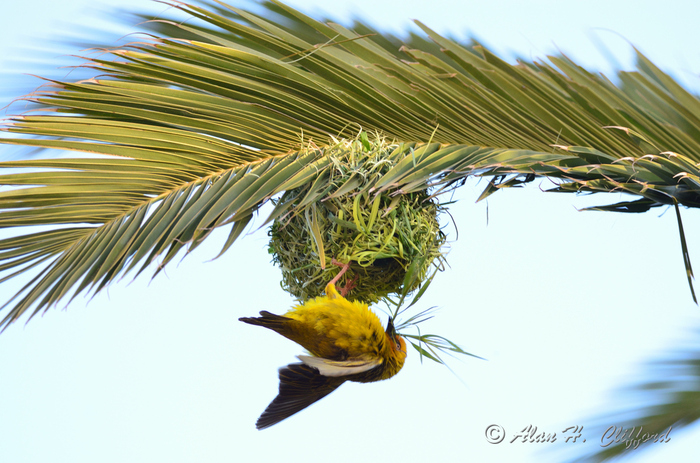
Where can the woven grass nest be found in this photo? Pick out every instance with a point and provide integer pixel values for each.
(390, 239)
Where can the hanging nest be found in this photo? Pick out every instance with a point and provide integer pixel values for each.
(390, 239)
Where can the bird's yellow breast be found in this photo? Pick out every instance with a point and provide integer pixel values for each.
(334, 327)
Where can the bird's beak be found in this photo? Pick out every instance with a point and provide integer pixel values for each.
(390, 330)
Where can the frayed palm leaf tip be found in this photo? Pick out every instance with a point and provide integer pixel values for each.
(352, 215)
(429, 346)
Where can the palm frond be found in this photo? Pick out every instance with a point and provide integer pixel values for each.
(675, 404)
(180, 135)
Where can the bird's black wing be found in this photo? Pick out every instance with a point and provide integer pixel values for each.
(300, 386)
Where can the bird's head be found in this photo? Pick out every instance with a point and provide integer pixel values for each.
(397, 345)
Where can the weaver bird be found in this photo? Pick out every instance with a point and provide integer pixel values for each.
(347, 343)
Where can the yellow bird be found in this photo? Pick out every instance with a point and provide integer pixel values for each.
(347, 343)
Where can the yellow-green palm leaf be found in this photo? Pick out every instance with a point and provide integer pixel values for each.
(177, 136)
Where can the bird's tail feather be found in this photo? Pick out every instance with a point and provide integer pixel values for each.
(268, 320)
(300, 386)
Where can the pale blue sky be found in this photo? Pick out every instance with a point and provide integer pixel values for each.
(565, 305)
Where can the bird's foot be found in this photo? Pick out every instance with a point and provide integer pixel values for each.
(349, 285)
